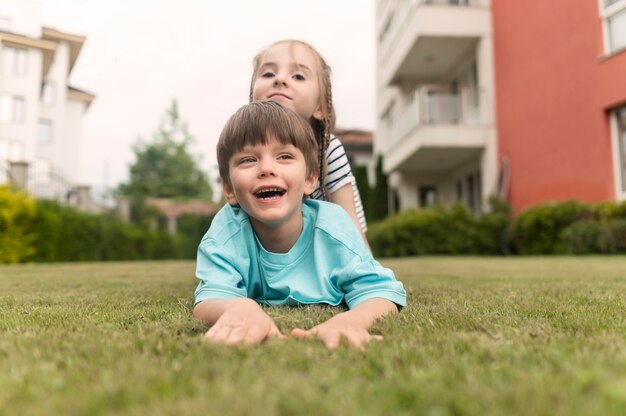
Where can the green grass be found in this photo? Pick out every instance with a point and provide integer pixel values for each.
(504, 336)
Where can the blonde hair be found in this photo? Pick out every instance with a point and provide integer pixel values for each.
(258, 123)
(322, 128)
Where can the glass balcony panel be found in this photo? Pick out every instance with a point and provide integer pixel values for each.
(438, 105)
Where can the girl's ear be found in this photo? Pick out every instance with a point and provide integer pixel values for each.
(318, 114)
(229, 194)
(309, 184)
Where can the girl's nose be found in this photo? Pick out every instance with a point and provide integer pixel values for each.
(280, 80)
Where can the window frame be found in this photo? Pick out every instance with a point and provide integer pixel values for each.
(15, 108)
(45, 125)
(14, 61)
(618, 171)
(606, 14)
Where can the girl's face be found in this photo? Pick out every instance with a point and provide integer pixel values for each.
(288, 75)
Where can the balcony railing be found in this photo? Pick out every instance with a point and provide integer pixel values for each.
(438, 105)
(402, 16)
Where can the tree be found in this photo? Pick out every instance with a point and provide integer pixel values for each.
(164, 168)
(362, 183)
(378, 208)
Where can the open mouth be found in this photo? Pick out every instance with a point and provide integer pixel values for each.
(270, 193)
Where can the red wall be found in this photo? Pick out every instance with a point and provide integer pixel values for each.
(553, 90)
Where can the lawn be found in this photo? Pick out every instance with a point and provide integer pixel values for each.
(480, 336)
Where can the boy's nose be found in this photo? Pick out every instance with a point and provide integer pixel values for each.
(266, 168)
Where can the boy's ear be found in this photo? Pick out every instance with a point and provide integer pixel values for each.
(229, 194)
(309, 184)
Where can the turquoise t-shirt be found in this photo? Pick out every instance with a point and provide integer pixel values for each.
(329, 263)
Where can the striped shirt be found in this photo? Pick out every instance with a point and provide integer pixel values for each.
(340, 174)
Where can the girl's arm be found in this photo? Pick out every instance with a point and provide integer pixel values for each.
(344, 197)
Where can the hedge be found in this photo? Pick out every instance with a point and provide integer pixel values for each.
(45, 231)
(16, 236)
(568, 227)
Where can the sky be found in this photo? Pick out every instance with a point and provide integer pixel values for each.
(139, 55)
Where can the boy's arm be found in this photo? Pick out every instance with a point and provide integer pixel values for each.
(235, 321)
(352, 325)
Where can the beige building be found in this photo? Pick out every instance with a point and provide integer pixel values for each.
(435, 98)
(40, 113)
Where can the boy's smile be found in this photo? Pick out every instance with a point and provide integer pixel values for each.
(269, 182)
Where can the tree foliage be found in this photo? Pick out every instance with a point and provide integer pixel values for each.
(164, 168)
(378, 203)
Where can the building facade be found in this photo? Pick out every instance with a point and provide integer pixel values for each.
(524, 100)
(40, 113)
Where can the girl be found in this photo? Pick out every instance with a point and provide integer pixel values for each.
(294, 74)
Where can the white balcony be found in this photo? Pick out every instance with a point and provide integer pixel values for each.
(440, 128)
(427, 38)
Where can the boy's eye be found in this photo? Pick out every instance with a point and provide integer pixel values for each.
(299, 77)
(267, 74)
(285, 156)
(245, 160)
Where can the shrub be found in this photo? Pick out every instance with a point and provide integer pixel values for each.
(441, 231)
(537, 230)
(582, 237)
(595, 237)
(16, 236)
(65, 234)
(612, 238)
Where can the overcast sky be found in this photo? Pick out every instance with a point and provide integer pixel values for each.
(141, 54)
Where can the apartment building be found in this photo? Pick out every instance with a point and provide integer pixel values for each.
(525, 100)
(40, 113)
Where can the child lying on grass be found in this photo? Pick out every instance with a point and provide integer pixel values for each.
(272, 245)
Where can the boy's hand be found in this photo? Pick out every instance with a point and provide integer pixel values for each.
(242, 323)
(332, 332)
(351, 326)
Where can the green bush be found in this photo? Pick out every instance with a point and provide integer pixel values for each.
(441, 231)
(582, 237)
(16, 236)
(537, 230)
(65, 234)
(595, 237)
(612, 239)
(191, 229)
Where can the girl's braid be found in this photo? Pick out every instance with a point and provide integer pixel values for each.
(325, 130)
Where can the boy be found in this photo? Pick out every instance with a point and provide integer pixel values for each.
(271, 245)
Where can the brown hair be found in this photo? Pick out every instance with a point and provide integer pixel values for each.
(322, 128)
(258, 123)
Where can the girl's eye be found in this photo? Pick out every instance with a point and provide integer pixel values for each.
(285, 156)
(267, 74)
(299, 77)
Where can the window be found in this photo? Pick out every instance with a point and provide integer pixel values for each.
(427, 196)
(12, 108)
(45, 132)
(14, 61)
(48, 93)
(613, 13)
(11, 150)
(620, 118)
(474, 192)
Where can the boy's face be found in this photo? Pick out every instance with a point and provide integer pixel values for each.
(269, 181)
